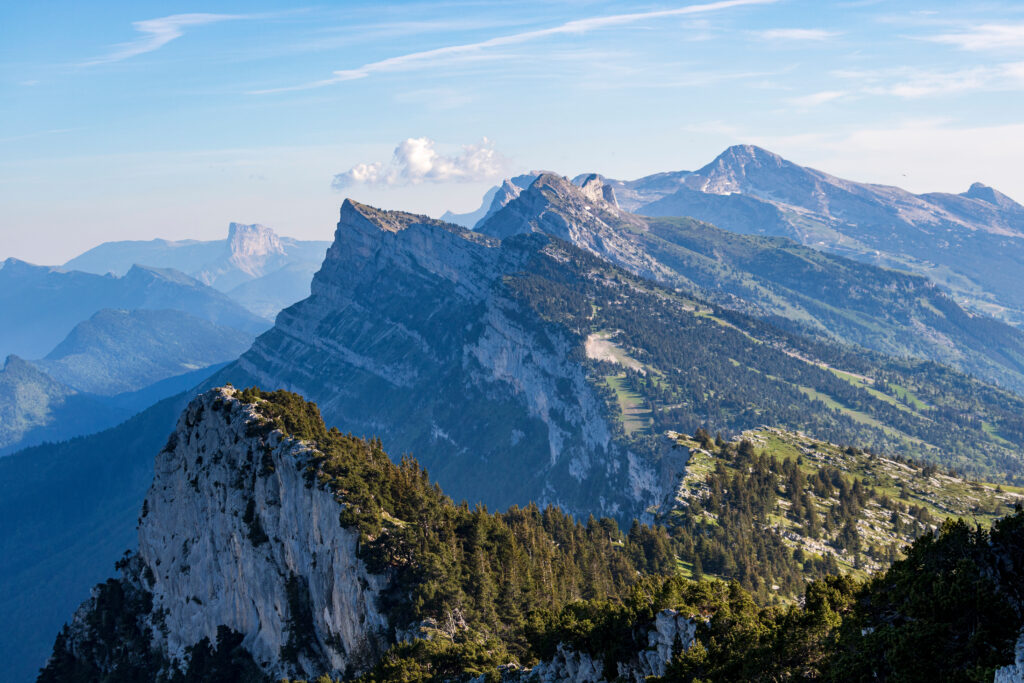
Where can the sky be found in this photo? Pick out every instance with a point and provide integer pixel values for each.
(137, 120)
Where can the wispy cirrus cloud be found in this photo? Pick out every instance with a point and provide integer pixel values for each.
(908, 82)
(984, 37)
(797, 34)
(156, 33)
(416, 161)
(818, 98)
(427, 58)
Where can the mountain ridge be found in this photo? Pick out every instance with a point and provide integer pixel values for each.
(807, 290)
(971, 243)
(412, 304)
(117, 351)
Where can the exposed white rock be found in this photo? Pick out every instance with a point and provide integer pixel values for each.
(1014, 673)
(232, 533)
(567, 666)
(671, 632)
(250, 251)
(587, 216)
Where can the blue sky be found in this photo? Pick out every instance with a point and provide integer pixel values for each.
(133, 120)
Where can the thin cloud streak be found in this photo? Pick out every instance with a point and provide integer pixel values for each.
(797, 34)
(984, 37)
(818, 98)
(579, 26)
(910, 83)
(156, 33)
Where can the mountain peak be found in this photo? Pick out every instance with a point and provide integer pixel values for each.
(749, 169)
(250, 246)
(15, 361)
(989, 195)
(139, 272)
(16, 264)
(596, 189)
(355, 213)
(743, 155)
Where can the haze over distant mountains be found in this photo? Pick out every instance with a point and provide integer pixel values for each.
(47, 302)
(254, 266)
(109, 367)
(117, 351)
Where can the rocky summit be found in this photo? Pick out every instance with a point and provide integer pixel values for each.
(232, 538)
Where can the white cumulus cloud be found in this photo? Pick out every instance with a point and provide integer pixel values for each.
(416, 160)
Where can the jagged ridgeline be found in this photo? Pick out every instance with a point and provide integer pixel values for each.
(271, 546)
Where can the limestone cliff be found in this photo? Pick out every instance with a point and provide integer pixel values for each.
(1014, 673)
(261, 556)
(234, 537)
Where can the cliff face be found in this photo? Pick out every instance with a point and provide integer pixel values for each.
(413, 334)
(1014, 673)
(250, 251)
(233, 535)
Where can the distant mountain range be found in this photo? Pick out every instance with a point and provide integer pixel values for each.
(463, 347)
(798, 287)
(109, 367)
(35, 407)
(972, 244)
(494, 199)
(254, 266)
(118, 351)
(43, 304)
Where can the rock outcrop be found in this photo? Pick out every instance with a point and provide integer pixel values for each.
(587, 216)
(670, 633)
(235, 538)
(1013, 673)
